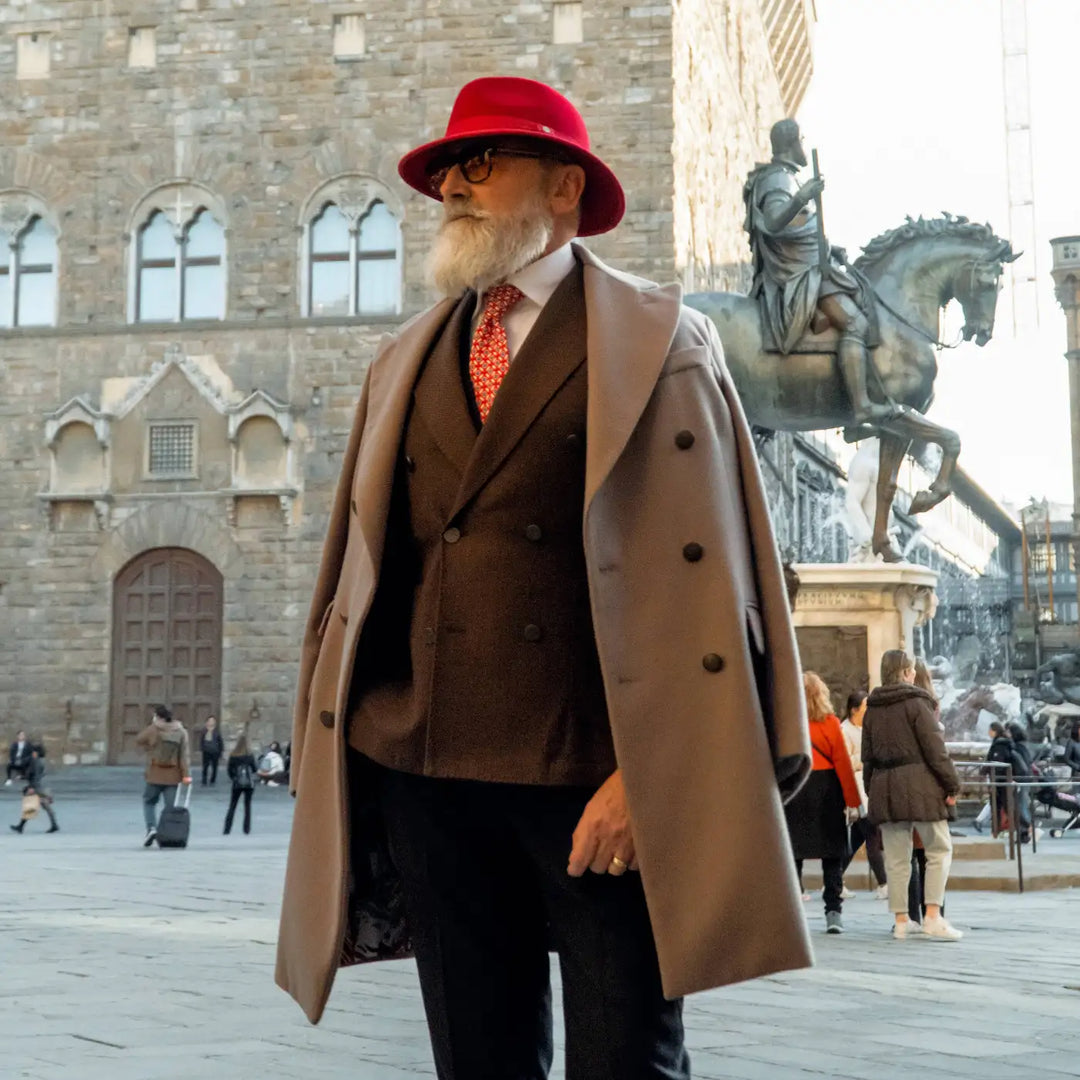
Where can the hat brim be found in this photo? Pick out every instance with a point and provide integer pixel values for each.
(602, 204)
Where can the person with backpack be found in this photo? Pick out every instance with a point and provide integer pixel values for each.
(167, 764)
(241, 770)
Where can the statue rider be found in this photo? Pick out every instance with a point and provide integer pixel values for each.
(800, 284)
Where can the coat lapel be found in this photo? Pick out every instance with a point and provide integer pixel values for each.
(441, 400)
(392, 379)
(631, 325)
(553, 350)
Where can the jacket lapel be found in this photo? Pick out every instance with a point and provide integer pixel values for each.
(631, 325)
(393, 376)
(553, 350)
(441, 400)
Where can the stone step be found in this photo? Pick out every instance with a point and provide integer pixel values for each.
(966, 847)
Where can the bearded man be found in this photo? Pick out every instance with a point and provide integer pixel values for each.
(549, 646)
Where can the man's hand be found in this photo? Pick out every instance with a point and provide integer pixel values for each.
(603, 841)
(811, 189)
(186, 780)
(950, 800)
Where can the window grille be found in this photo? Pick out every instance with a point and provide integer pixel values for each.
(171, 450)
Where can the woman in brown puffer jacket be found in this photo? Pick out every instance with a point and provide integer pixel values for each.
(911, 783)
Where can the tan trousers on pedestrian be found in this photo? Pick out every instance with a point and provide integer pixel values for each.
(896, 840)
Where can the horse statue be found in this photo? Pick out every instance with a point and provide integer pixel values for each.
(914, 271)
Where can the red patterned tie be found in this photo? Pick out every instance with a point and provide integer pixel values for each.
(489, 358)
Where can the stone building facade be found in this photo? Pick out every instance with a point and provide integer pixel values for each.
(206, 238)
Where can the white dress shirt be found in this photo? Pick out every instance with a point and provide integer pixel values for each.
(537, 281)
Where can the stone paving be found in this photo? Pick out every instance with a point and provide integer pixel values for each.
(119, 963)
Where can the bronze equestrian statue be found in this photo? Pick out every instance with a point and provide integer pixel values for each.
(820, 343)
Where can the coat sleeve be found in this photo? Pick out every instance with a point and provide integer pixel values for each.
(842, 762)
(932, 747)
(780, 687)
(145, 738)
(332, 555)
(867, 752)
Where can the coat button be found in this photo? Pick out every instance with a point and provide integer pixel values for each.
(429, 635)
(692, 552)
(326, 718)
(712, 662)
(452, 535)
(573, 440)
(344, 618)
(532, 632)
(410, 463)
(534, 533)
(684, 440)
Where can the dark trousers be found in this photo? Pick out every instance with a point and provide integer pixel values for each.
(209, 765)
(234, 798)
(14, 771)
(862, 832)
(916, 903)
(486, 888)
(832, 877)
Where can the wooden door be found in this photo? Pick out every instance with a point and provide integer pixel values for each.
(167, 607)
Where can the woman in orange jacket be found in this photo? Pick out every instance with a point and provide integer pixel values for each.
(819, 814)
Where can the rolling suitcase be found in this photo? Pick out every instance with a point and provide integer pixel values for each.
(174, 825)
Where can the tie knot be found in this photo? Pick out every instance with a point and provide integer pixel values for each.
(499, 300)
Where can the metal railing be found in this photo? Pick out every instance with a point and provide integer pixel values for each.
(997, 779)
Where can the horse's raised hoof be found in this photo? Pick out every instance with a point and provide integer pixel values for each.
(926, 500)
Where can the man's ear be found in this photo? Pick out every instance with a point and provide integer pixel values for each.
(568, 187)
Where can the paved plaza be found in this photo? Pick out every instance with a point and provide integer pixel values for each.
(119, 963)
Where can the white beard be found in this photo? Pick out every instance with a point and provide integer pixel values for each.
(476, 249)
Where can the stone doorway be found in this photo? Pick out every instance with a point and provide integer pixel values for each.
(838, 655)
(167, 612)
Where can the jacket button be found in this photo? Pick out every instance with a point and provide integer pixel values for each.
(712, 662)
(452, 535)
(532, 632)
(410, 463)
(692, 552)
(429, 635)
(684, 440)
(573, 440)
(326, 718)
(534, 533)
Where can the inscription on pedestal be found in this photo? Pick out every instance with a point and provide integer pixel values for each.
(836, 598)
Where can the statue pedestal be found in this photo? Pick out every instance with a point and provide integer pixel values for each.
(848, 614)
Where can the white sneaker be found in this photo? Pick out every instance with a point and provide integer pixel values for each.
(151, 836)
(881, 892)
(272, 783)
(7, 783)
(805, 897)
(939, 928)
(903, 930)
(846, 894)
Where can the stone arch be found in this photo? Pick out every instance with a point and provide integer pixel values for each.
(163, 525)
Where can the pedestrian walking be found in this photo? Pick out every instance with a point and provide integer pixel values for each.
(168, 765)
(819, 815)
(494, 684)
(35, 795)
(1072, 750)
(271, 769)
(18, 758)
(863, 831)
(211, 747)
(912, 784)
(241, 771)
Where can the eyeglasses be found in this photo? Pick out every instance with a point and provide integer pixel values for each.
(476, 167)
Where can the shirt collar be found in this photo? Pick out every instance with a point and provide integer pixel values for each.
(541, 278)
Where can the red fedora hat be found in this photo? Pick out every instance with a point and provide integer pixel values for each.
(523, 107)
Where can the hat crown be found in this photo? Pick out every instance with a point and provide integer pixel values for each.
(519, 106)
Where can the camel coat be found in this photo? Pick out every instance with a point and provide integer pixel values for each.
(696, 650)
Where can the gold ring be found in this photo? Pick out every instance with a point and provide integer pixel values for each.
(617, 863)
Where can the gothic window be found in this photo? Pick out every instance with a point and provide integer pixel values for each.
(352, 250)
(180, 279)
(28, 276)
(178, 256)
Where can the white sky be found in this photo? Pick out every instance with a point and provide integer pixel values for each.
(906, 109)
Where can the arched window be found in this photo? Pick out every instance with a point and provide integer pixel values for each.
(352, 250)
(28, 276)
(178, 256)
